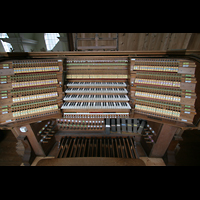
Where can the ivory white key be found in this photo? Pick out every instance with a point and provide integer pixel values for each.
(96, 90)
(97, 97)
(96, 105)
(123, 84)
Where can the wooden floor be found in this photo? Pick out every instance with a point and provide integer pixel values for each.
(8, 155)
(188, 155)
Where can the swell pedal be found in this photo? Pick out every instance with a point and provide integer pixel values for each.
(107, 126)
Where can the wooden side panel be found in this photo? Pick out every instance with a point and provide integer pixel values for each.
(166, 134)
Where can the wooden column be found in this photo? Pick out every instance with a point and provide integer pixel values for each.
(165, 136)
(37, 148)
(29, 154)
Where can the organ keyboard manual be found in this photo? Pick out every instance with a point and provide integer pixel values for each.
(114, 104)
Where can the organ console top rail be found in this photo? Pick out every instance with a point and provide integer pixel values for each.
(117, 104)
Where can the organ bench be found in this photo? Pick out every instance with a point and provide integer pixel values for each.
(99, 104)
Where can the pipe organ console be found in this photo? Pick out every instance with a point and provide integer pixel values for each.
(126, 105)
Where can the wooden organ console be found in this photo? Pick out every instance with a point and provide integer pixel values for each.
(96, 88)
(79, 105)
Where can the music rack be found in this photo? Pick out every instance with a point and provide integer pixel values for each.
(149, 100)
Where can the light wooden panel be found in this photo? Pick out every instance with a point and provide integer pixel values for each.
(150, 41)
(194, 43)
(89, 42)
(157, 41)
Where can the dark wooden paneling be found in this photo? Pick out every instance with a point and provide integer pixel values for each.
(8, 154)
(189, 152)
